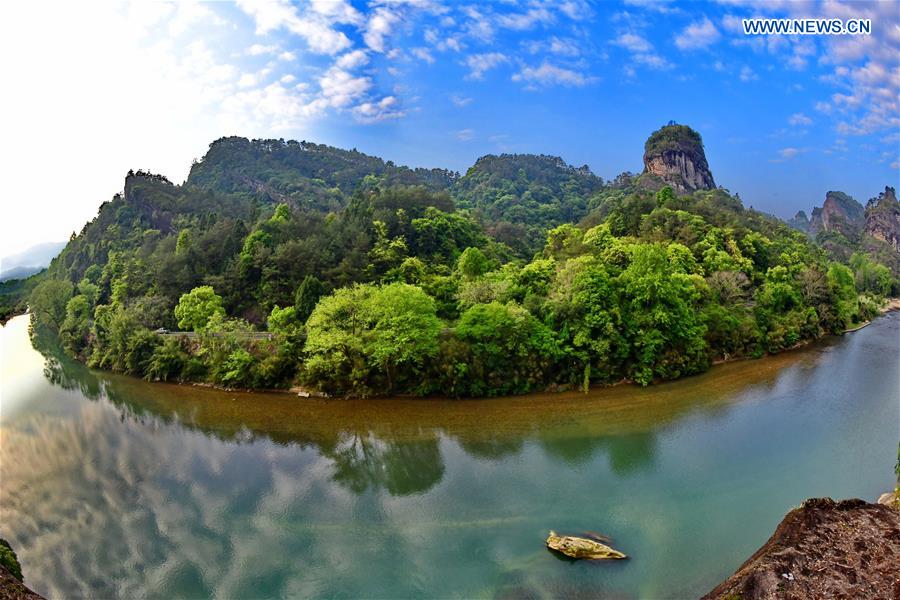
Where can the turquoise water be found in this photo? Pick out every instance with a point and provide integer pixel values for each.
(113, 487)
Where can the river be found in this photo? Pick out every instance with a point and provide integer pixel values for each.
(114, 487)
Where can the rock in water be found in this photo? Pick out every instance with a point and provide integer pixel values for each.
(675, 155)
(576, 547)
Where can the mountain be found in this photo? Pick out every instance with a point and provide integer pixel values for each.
(302, 174)
(519, 196)
(883, 218)
(843, 226)
(30, 261)
(525, 273)
(674, 155)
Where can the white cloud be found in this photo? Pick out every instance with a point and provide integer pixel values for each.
(548, 74)
(527, 20)
(747, 74)
(464, 135)
(460, 101)
(375, 112)
(260, 49)
(340, 87)
(698, 35)
(422, 54)
(381, 24)
(654, 61)
(479, 64)
(337, 11)
(799, 119)
(633, 42)
(313, 27)
(351, 60)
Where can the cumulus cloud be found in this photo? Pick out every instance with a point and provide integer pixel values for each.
(351, 60)
(314, 27)
(464, 135)
(747, 74)
(537, 15)
(460, 100)
(799, 119)
(698, 35)
(340, 88)
(382, 110)
(423, 54)
(380, 25)
(479, 64)
(547, 74)
(786, 154)
(633, 42)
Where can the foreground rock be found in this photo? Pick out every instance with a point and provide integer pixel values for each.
(13, 589)
(576, 547)
(824, 549)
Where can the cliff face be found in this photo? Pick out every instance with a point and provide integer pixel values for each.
(675, 154)
(824, 549)
(839, 213)
(883, 218)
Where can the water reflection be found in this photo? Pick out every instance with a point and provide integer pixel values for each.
(394, 445)
(113, 487)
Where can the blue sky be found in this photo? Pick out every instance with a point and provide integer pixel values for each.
(105, 88)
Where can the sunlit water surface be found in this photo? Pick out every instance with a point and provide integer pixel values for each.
(113, 487)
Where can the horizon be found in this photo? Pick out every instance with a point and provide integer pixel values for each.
(429, 85)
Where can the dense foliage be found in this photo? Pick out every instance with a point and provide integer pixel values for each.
(289, 263)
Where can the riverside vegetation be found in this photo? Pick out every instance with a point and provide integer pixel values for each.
(523, 274)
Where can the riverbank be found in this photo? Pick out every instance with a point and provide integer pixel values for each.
(891, 305)
(306, 391)
(824, 549)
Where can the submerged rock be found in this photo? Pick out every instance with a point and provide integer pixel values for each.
(577, 547)
(824, 549)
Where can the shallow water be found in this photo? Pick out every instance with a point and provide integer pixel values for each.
(113, 487)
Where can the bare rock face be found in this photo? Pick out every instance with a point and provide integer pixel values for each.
(839, 212)
(675, 154)
(824, 549)
(883, 218)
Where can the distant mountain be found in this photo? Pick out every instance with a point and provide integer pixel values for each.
(843, 226)
(30, 261)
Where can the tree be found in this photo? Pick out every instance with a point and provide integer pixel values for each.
(510, 352)
(472, 263)
(48, 302)
(197, 307)
(358, 335)
(660, 317)
(306, 297)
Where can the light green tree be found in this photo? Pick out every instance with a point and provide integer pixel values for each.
(197, 307)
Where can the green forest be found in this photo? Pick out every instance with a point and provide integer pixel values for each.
(290, 263)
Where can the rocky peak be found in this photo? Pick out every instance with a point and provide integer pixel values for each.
(882, 216)
(674, 153)
(839, 212)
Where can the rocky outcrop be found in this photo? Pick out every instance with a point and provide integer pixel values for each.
(883, 218)
(824, 549)
(13, 589)
(840, 213)
(675, 155)
(800, 222)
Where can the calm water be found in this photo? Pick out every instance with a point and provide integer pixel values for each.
(113, 487)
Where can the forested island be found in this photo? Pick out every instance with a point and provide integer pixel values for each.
(281, 263)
